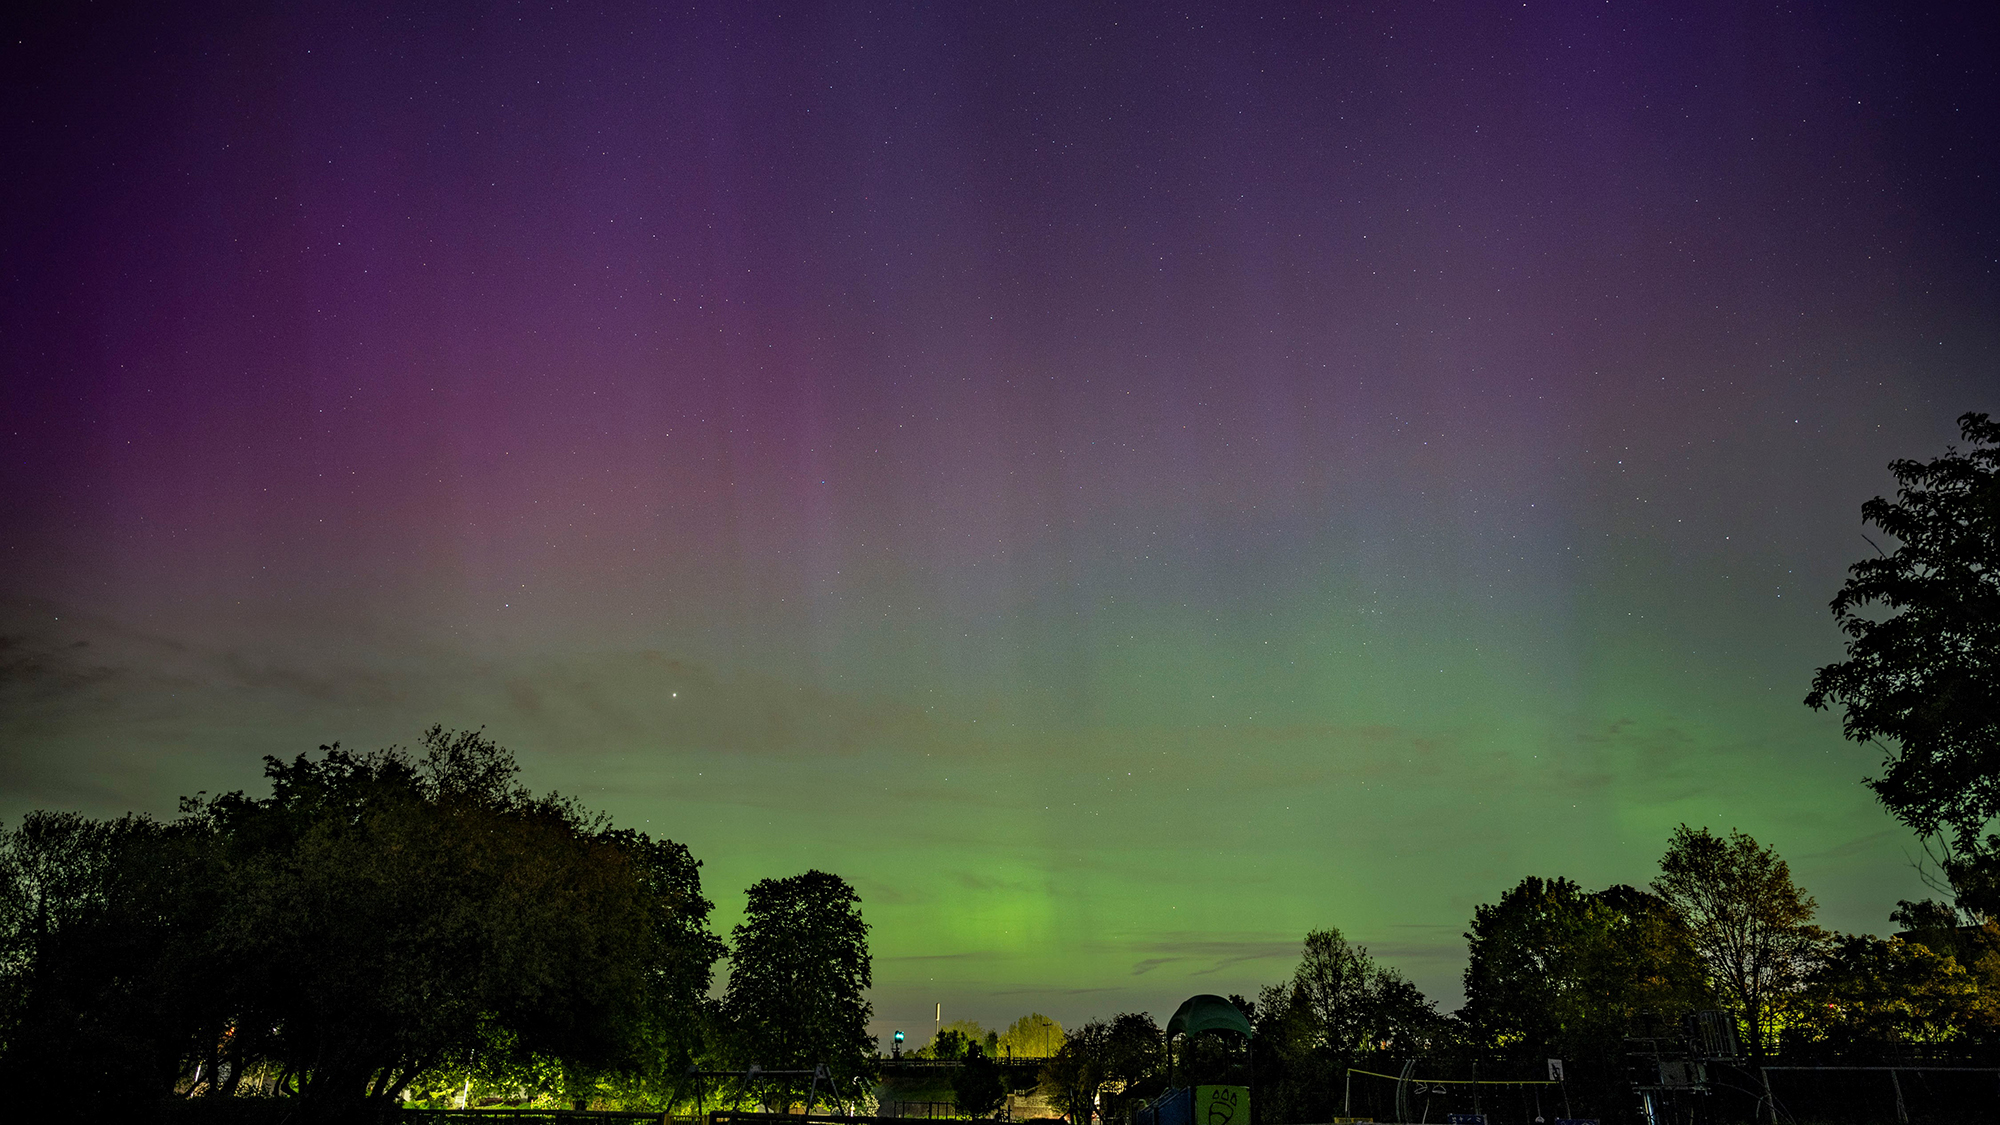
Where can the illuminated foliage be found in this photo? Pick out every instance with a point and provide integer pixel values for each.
(377, 917)
(1033, 1036)
(1879, 992)
(1748, 922)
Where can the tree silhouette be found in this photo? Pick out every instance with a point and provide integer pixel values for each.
(798, 969)
(1751, 925)
(375, 918)
(1925, 676)
(1072, 1078)
(978, 1087)
(1339, 1003)
(1559, 970)
(395, 915)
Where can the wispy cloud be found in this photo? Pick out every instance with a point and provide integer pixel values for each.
(1213, 954)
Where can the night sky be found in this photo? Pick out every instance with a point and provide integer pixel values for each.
(1122, 486)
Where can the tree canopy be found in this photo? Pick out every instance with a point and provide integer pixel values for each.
(376, 917)
(799, 967)
(1881, 992)
(102, 992)
(1033, 1036)
(1558, 970)
(1072, 1077)
(1750, 924)
(1339, 1003)
(1923, 653)
(1341, 1000)
(957, 1039)
(978, 1088)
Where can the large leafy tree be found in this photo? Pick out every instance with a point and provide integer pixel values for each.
(1922, 674)
(1136, 1053)
(377, 917)
(1878, 993)
(1033, 1036)
(1340, 1000)
(1749, 923)
(1134, 1062)
(1555, 969)
(397, 915)
(798, 969)
(104, 994)
(1533, 957)
(676, 1017)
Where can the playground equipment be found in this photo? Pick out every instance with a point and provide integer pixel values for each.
(1202, 1103)
(1464, 1101)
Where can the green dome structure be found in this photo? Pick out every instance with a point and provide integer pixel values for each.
(1208, 1012)
(1202, 1104)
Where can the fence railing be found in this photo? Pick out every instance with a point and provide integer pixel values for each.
(730, 1117)
(928, 1111)
(890, 1112)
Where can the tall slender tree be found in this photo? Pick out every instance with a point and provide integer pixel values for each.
(1072, 1078)
(1340, 1003)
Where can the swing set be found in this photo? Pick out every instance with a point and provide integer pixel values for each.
(1529, 1091)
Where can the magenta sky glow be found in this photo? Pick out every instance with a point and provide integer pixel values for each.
(954, 447)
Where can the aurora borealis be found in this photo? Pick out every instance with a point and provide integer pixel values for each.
(1121, 485)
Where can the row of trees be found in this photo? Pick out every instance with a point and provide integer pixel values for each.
(384, 923)
(1033, 1036)
(1556, 971)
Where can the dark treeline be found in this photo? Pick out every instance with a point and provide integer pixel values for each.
(1559, 972)
(385, 925)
